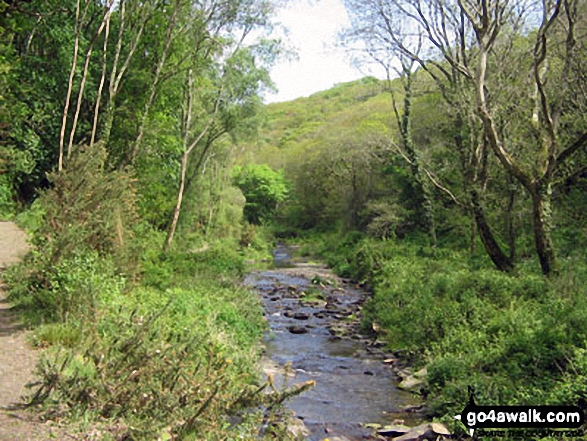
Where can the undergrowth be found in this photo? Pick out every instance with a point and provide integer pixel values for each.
(516, 339)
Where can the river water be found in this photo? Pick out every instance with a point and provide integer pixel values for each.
(320, 342)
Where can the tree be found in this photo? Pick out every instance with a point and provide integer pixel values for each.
(390, 33)
(466, 42)
(263, 188)
(544, 120)
(231, 86)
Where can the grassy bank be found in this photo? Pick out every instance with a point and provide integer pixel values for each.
(174, 355)
(517, 339)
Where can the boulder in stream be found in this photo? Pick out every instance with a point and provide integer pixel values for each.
(411, 384)
(297, 329)
(428, 431)
(394, 430)
(297, 429)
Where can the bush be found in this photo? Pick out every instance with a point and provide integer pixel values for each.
(82, 230)
(263, 189)
(517, 339)
(172, 364)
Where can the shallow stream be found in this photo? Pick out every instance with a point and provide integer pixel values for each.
(314, 328)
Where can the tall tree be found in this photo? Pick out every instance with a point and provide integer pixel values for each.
(233, 85)
(390, 32)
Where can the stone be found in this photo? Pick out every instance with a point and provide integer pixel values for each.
(394, 430)
(413, 408)
(301, 316)
(297, 329)
(405, 373)
(417, 433)
(297, 429)
(411, 384)
(422, 373)
(439, 429)
(315, 303)
(427, 431)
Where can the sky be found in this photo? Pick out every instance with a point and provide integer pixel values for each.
(313, 27)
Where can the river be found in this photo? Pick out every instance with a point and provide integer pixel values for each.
(313, 319)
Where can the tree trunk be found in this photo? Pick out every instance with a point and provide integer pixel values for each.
(541, 211)
(103, 76)
(509, 219)
(177, 210)
(404, 122)
(497, 256)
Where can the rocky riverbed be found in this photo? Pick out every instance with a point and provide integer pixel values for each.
(314, 335)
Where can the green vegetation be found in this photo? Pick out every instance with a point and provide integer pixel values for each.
(119, 124)
(138, 154)
(515, 339)
(162, 344)
(264, 189)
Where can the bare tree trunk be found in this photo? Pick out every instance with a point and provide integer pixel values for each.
(84, 77)
(509, 219)
(497, 256)
(186, 153)
(103, 77)
(541, 211)
(78, 25)
(177, 210)
(471, 176)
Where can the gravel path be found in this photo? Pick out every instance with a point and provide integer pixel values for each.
(17, 358)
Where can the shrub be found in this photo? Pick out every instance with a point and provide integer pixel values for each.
(517, 339)
(83, 237)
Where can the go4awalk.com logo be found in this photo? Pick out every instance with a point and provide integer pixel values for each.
(519, 417)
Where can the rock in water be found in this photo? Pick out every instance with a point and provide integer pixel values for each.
(411, 384)
(297, 329)
(428, 431)
(301, 316)
(439, 429)
(297, 429)
(396, 430)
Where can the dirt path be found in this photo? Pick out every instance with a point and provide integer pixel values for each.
(17, 358)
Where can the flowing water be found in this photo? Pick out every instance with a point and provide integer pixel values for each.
(353, 384)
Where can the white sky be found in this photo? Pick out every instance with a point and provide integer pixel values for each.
(313, 26)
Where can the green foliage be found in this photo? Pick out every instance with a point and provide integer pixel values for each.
(7, 205)
(72, 286)
(263, 189)
(518, 339)
(176, 361)
(176, 355)
(83, 239)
